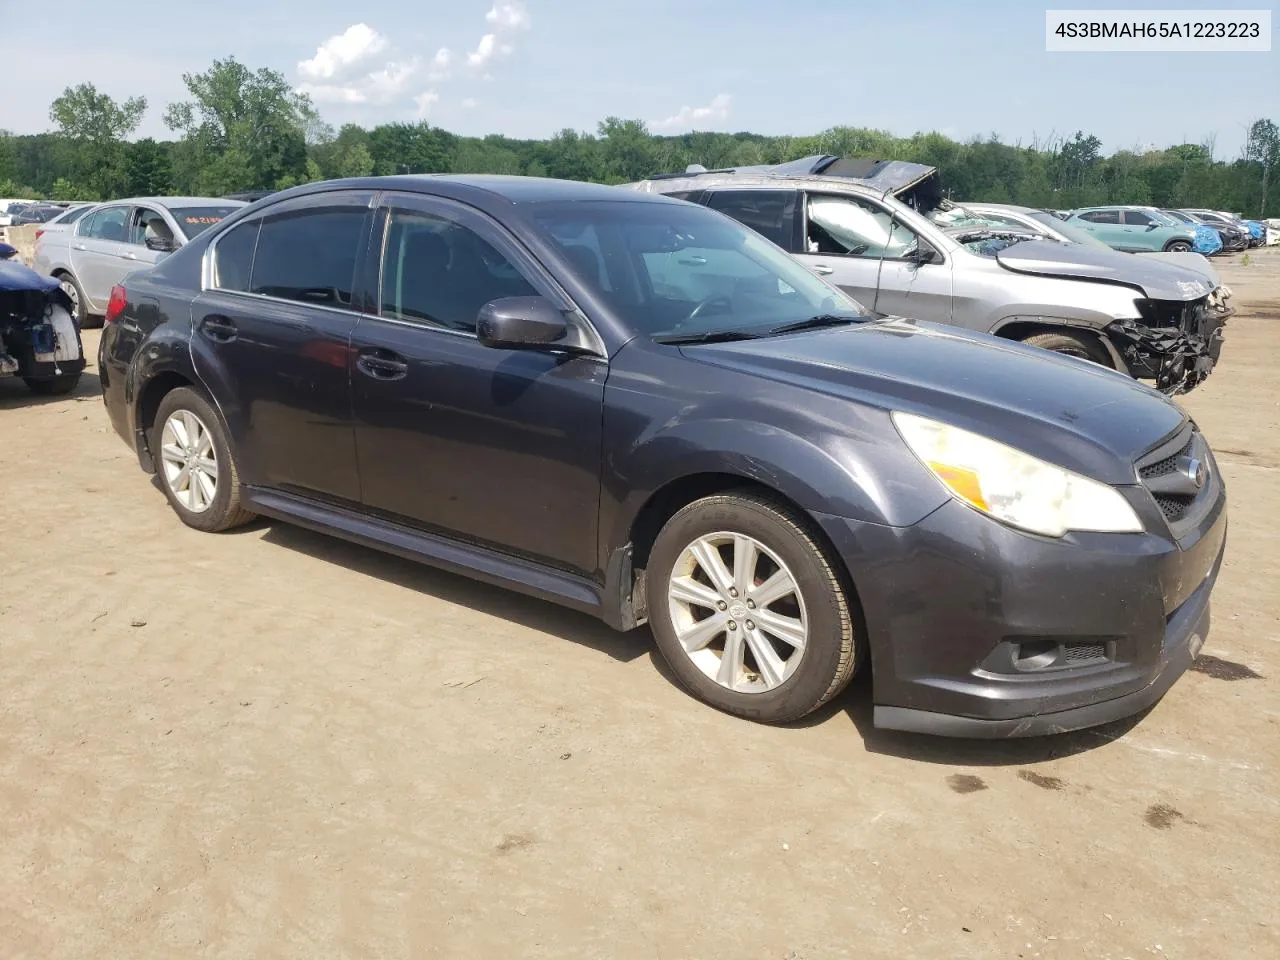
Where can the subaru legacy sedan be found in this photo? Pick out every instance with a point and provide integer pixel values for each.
(642, 409)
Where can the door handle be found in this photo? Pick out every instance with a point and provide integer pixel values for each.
(80, 246)
(822, 269)
(131, 256)
(382, 365)
(218, 329)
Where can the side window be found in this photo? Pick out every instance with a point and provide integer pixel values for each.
(851, 227)
(683, 194)
(309, 255)
(148, 223)
(770, 213)
(1137, 218)
(1101, 216)
(108, 224)
(439, 272)
(233, 257)
(85, 224)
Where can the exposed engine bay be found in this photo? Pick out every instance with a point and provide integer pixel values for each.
(39, 341)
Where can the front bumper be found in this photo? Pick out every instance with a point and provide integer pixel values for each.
(978, 630)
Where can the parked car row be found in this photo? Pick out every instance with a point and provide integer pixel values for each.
(876, 230)
(669, 412)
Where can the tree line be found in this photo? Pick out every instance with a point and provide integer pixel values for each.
(242, 130)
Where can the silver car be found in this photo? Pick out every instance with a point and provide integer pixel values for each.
(117, 238)
(1148, 319)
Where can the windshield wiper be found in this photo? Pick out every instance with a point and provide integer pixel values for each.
(821, 320)
(707, 336)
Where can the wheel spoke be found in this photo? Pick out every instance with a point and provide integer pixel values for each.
(207, 487)
(697, 635)
(178, 429)
(772, 668)
(731, 660)
(172, 452)
(204, 447)
(192, 428)
(745, 558)
(690, 591)
(208, 465)
(789, 630)
(778, 585)
(708, 558)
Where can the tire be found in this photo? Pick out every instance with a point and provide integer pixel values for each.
(1072, 344)
(788, 688)
(193, 505)
(79, 312)
(53, 386)
(1177, 246)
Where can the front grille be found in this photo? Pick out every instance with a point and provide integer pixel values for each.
(1160, 473)
(1077, 653)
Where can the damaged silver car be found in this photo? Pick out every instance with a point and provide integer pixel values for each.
(866, 226)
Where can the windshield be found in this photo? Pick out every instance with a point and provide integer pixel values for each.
(1068, 230)
(680, 269)
(1162, 218)
(195, 220)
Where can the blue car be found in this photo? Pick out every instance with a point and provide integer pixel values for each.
(1257, 232)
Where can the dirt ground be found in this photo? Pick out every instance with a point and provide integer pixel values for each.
(274, 744)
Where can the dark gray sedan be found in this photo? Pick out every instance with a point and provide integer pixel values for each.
(641, 409)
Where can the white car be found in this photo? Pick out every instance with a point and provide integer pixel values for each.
(114, 239)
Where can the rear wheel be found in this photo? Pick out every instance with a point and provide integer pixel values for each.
(196, 466)
(53, 386)
(1177, 246)
(71, 287)
(748, 610)
(1072, 344)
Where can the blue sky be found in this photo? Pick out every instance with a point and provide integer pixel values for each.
(799, 67)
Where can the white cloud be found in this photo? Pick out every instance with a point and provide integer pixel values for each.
(441, 64)
(425, 101)
(332, 93)
(506, 19)
(391, 82)
(470, 103)
(509, 16)
(341, 51)
(717, 111)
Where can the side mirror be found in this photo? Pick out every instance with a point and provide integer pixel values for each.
(161, 244)
(1152, 226)
(522, 323)
(924, 253)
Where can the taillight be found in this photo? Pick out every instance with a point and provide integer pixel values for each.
(39, 234)
(116, 304)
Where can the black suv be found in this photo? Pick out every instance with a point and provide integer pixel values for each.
(642, 409)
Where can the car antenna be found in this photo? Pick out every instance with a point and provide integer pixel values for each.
(893, 219)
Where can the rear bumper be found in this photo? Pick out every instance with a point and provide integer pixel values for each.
(978, 630)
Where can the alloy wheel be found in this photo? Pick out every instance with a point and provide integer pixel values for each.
(189, 460)
(738, 612)
(72, 293)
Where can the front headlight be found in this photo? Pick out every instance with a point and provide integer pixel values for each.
(1013, 486)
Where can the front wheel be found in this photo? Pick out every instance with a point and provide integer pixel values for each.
(53, 386)
(1072, 344)
(196, 465)
(748, 610)
(1177, 246)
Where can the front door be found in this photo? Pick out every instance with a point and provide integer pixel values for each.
(866, 251)
(273, 341)
(496, 446)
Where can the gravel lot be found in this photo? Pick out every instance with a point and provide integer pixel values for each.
(270, 743)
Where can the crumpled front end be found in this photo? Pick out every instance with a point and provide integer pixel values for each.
(38, 338)
(1177, 343)
(1207, 240)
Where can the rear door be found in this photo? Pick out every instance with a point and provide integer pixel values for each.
(273, 341)
(774, 214)
(865, 250)
(98, 253)
(489, 445)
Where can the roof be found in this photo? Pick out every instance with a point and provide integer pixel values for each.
(176, 202)
(477, 187)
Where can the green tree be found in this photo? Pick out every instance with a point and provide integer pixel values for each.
(97, 126)
(241, 129)
(1263, 148)
(148, 168)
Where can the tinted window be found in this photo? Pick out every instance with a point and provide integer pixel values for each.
(233, 258)
(108, 224)
(71, 216)
(683, 194)
(309, 255)
(1137, 218)
(1101, 216)
(681, 269)
(770, 213)
(851, 227)
(194, 220)
(441, 273)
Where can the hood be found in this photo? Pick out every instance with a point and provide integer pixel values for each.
(1196, 262)
(1076, 261)
(1065, 411)
(17, 277)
